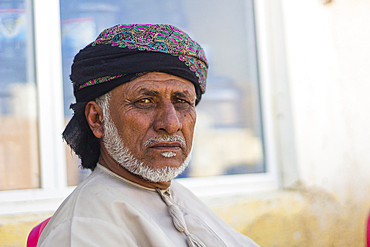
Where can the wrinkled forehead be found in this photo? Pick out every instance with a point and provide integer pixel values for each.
(155, 84)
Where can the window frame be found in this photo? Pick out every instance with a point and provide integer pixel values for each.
(54, 189)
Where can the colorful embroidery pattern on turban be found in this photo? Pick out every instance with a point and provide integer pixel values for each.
(124, 51)
(159, 38)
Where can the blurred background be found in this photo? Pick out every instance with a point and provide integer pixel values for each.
(281, 149)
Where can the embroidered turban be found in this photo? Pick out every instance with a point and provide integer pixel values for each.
(119, 55)
(124, 52)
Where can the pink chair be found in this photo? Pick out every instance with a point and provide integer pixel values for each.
(35, 233)
(368, 231)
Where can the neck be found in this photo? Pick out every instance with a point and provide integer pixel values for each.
(107, 161)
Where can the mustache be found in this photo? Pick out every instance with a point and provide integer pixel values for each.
(165, 138)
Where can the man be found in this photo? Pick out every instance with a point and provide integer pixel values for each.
(136, 87)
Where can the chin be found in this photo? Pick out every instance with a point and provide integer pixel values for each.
(165, 171)
(156, 175)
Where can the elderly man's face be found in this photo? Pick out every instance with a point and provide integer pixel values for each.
(150, 107)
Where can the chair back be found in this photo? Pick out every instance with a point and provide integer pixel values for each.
(368, 231)
(35, 233)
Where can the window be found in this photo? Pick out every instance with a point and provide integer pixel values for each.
(228, 137)
(232, 152)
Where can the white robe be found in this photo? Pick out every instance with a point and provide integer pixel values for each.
(108, 210)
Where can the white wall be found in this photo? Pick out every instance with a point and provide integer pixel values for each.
(328, 61)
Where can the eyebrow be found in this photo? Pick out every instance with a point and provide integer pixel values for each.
(148, 92)
(183, 94)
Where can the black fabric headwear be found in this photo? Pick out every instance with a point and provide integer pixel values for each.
(119, 55)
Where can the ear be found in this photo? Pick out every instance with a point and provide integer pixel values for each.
(94, 117)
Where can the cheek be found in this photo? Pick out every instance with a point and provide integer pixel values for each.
(192, 118)
(188, 126)
(134, 127)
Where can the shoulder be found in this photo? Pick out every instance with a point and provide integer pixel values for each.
(90, 200)
(102, 203)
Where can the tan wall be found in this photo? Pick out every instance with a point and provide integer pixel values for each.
(328, 61)
(328, 71)
(303, 217)
(327, 54)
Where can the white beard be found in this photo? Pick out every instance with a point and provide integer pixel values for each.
(117, 150)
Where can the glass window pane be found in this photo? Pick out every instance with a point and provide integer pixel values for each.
(228, 137)
(19, 160)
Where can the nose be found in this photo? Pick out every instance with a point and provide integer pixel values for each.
(166, 119)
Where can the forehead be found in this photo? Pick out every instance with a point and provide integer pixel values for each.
(160, 82)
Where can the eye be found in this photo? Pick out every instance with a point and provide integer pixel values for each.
(144, 103)
(181, 101)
